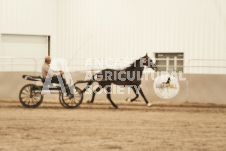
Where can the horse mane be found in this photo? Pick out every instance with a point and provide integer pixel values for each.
(133, 65)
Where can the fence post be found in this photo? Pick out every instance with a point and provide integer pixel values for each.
(35, 65)
(167, 64)
(175, 63)
(188, 74)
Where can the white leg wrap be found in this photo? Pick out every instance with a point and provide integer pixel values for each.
(129, 100)
(149, 104)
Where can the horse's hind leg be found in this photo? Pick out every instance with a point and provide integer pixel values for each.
(137, 95)
(109, 97)
(94, 93)
(142, 94)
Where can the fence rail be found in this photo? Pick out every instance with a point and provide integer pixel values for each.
(34, 64)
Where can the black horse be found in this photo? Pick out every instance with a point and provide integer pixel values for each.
(129, 77)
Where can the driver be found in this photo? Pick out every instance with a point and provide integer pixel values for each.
(48, 74)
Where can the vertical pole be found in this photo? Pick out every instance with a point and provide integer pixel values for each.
(188, 75)
(167, 64)
(49, 40)
(35, 65)
(175, 63)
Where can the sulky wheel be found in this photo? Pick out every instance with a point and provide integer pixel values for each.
(61, 101)
(30, 96)
(75, 101)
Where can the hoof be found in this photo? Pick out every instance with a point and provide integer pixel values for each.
(149, 104)
(88, 102)
(114, 107)
(128, 100)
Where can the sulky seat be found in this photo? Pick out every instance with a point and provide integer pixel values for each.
(33, 78)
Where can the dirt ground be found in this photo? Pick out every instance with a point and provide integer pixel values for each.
(98, 126)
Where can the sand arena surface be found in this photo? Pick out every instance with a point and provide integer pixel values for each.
(98, 127)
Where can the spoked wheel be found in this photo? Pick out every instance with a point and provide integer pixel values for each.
(61, 101)
(30, 96)
(75, 101)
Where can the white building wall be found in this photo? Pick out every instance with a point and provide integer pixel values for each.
(125, 28)
(0, 26)
(83, 29)
(29, 17)
(36, 17)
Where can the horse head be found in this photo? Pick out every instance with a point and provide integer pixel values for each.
(147, 61)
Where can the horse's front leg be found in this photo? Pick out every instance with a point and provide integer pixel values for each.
(142, 94)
